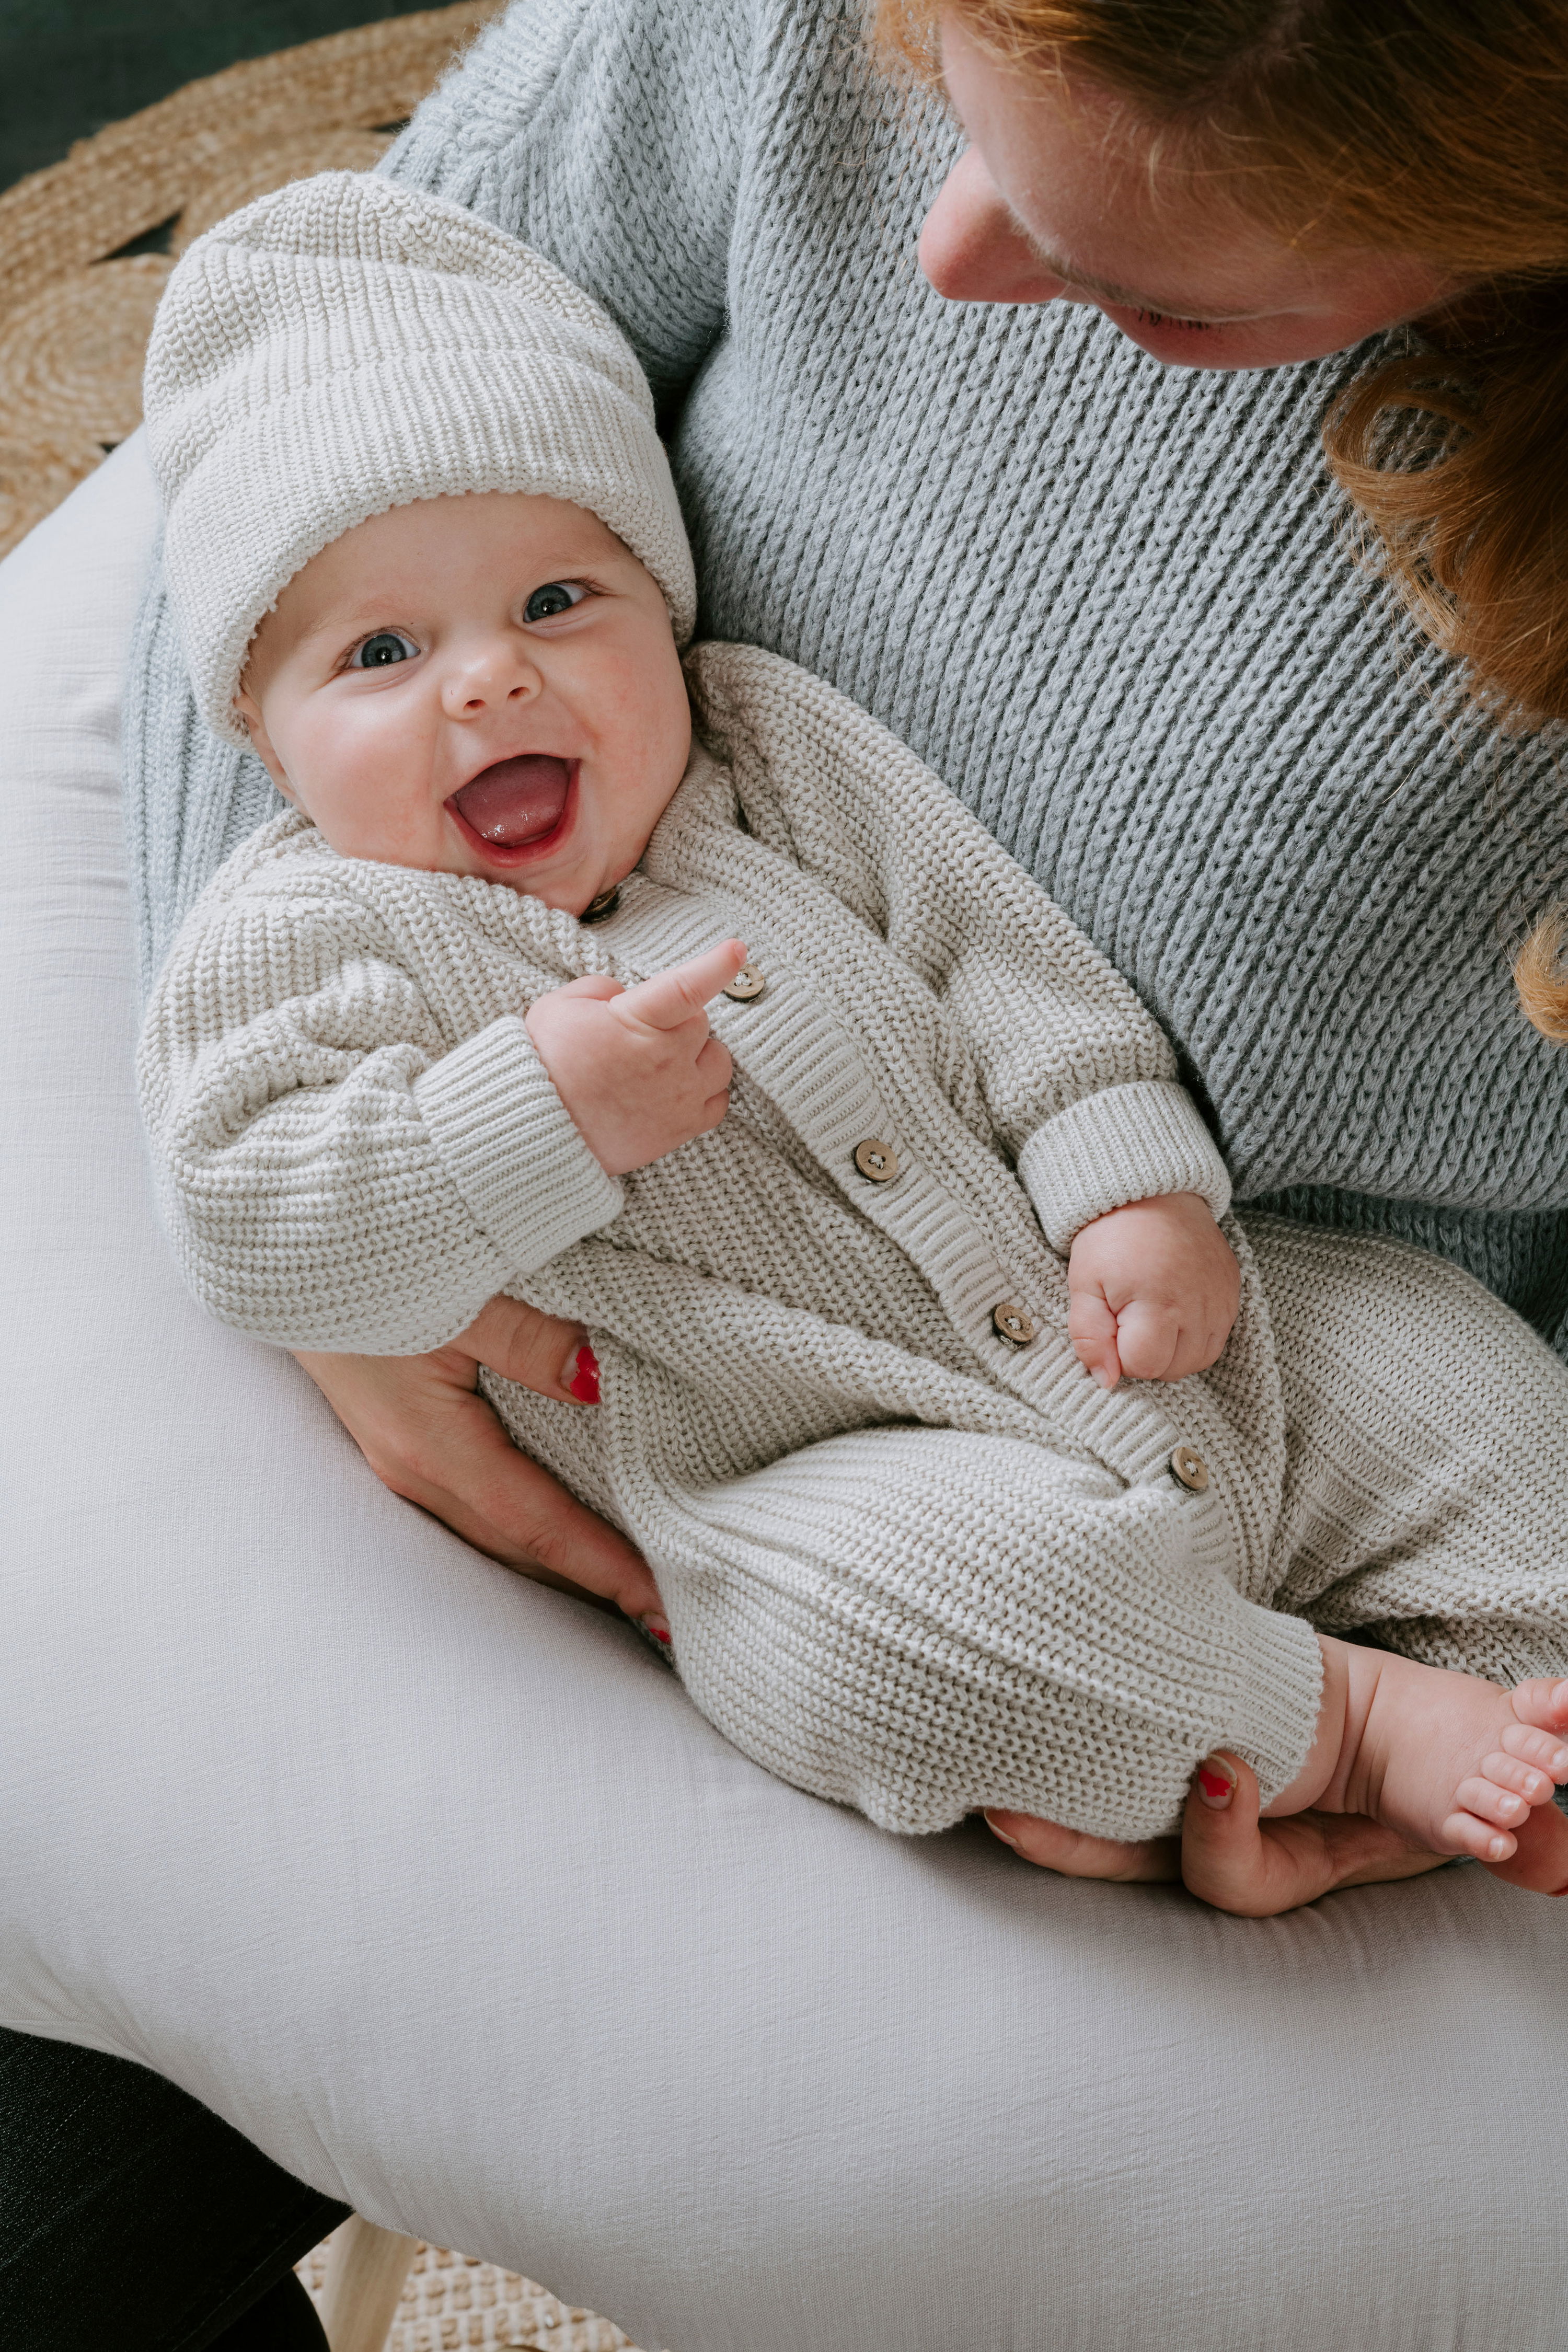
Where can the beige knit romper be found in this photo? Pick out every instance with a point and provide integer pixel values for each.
(914, 1558)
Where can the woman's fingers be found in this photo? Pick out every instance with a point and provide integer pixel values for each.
(429, 1437)
(1076, 1855)
(1226, 1855)
(538, 1351)
(1255, 1868)
(505, 1504)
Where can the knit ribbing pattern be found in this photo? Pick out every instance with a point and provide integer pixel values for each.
(908, 1566)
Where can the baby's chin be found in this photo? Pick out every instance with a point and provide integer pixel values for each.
(573, 887)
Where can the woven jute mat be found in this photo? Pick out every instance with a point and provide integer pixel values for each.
(452, 2302)
(76, 307)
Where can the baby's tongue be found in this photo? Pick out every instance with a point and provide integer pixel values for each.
(517, 800)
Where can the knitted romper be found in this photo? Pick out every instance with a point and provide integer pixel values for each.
(914, 1558)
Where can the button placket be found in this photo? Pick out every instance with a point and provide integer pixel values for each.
(841, 1116)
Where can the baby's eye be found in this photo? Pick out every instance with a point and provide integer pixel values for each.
(556, 597)
(387, 645)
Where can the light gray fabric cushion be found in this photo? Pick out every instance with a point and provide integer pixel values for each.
(432, 1883)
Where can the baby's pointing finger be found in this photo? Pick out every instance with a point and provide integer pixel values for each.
(593, 984)
(672, 997)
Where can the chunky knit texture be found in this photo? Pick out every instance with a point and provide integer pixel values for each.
(346, 345)
(907, 1565)
(1109, 603)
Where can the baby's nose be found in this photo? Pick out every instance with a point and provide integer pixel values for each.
(489, 680)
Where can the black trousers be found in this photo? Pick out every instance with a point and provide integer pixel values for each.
(132, 2216)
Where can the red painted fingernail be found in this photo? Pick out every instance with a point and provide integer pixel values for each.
(660, 1633)
(585, 1380)
(1217, 1784)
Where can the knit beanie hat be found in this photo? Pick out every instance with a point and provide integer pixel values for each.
(348, 345)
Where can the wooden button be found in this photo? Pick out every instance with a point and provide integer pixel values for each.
(1013, 1325)
(600, 910)
(1190, 1469)
(748, 982)
(877, 1161)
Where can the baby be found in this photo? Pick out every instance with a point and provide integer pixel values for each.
(756, 1056)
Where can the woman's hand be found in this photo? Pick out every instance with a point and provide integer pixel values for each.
(428, 1434)
(1228, 1855)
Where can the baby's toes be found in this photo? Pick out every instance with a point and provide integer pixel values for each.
(1465, 1833)
(1532, 1782)
(1543, 1704)
(1504, 1808)
(1548, 1753)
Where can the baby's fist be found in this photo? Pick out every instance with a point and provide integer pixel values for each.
(1155, 1290)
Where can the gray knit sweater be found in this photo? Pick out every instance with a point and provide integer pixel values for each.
(913, 1557)
(1107, 601)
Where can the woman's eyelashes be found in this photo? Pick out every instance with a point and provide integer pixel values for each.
(382, 650)
(556, 596)
(1165, 318)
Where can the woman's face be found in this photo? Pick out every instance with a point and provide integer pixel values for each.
(1047, 206)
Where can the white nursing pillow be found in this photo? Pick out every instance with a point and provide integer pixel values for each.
(433, 1884)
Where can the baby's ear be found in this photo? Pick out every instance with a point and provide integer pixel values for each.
(248, 710)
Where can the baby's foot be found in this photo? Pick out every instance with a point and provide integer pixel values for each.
(1446, 1760)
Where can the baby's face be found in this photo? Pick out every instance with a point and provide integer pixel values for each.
(484, 684)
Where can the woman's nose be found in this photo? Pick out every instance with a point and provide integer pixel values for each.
(972, 248)
(490, 678)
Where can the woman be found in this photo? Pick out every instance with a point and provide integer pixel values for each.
(1057, 513)
(1070, 532)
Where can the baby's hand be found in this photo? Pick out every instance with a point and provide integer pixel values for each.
(1154, 1291)
(636, 1068)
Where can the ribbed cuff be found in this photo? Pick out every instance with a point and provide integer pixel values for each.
(1124, 1143)
(1275, 1706)
(508, 1144)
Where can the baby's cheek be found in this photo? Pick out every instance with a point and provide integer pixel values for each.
(360, 789)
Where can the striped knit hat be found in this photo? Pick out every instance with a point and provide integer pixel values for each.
(348, 345)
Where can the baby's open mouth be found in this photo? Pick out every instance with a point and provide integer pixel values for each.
(515, 803)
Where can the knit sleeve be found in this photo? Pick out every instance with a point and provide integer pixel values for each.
(1079, 1081)
(608, 135)
(334, 1171)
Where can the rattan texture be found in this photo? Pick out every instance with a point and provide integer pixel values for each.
(74, 307)
(452, 2301)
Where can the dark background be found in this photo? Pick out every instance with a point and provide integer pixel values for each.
(67, 67)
